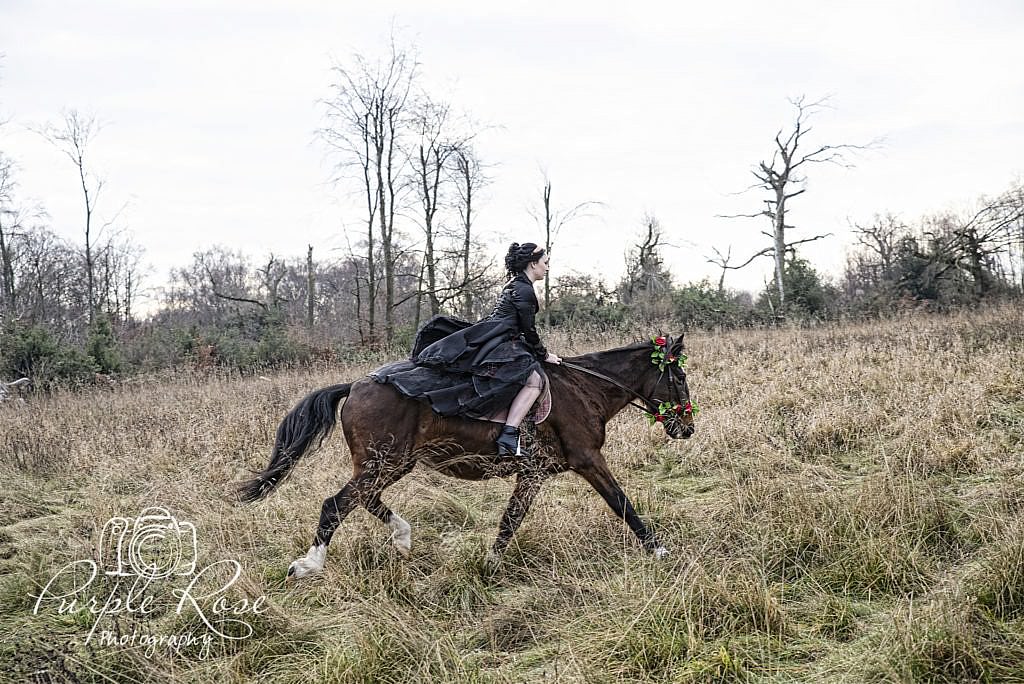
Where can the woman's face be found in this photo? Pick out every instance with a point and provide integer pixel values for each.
(538, 269)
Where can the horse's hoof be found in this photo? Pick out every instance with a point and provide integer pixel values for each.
(492, 561)
(311, 563)
(401, 535)
(661, 552)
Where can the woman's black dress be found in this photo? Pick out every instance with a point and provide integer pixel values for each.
(473, 370)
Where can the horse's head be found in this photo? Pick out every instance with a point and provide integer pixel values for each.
(671, 394)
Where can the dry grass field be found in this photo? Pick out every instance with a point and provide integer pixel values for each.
(851, 508)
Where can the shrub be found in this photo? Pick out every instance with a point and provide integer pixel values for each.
(101, 345)
(33, 352)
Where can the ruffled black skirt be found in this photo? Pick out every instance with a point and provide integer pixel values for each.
(461, 369)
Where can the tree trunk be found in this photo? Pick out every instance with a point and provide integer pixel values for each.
(371, 266)
(780, 246)
(359, 308)
(431, 160)
(389, 287)
(547, 250)
(1022, 256)
(975, 264)
(470, 178)
(431, 269)
(419, 298)
(105, 301)
(129, 294)
(89, 266)
(7, 271)
(386, 206)
(310, 288)
(467, 296)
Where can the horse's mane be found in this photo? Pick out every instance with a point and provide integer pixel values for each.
(595, 357)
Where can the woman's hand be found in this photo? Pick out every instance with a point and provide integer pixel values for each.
(552, 358)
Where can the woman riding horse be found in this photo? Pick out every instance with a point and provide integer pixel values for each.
(490, 370)
(388, 434)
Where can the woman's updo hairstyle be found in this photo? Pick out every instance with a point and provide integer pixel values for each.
(520, 256)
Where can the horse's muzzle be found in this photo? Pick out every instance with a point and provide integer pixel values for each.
(676, 429)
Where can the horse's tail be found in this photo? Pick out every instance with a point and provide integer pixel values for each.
(303, 430)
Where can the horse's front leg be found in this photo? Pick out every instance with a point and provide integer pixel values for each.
(527, 486)
(595, 470)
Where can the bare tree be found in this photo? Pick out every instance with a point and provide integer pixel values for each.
(367, 116)
(783, 178)
(119, 277)
(72, 137)
(47, 275)
(722, 261)
(435, 147)
(1014, 202)
(470, 178)
(454, 283)
(880, 238)
(647, 281)
(310, 288)
(270, 277)
(871, 266)
(645, 270)
(977, 241)
(229, 279)
(553, 219)
(207, 287)
(8, 224)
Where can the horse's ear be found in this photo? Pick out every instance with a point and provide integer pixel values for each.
(677, 343)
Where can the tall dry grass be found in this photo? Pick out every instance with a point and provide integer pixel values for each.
(850, 509)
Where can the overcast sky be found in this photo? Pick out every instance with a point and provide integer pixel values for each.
(210, 110)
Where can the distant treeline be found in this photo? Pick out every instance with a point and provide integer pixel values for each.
(225, 310)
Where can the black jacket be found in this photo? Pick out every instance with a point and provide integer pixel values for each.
(518, 305)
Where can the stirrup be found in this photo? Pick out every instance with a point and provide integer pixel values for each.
(508, 442)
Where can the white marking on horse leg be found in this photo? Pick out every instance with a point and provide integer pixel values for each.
(492, 561)
(661, 552)
(309, 564)
(401, 534)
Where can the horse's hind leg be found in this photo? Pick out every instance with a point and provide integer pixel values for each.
(364, 488)
(401, 532)
(525, 490)
(332, 513)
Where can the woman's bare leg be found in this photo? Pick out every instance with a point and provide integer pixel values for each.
(524, 400)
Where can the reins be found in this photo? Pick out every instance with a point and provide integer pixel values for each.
(649, 407)
(649, 404)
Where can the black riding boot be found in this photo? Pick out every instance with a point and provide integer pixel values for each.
(508, 441)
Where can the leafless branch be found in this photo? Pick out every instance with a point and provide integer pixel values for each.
(221, 295)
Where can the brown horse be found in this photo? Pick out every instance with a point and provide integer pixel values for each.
(388, 434)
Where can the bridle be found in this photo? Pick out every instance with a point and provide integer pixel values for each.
(649, 406)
